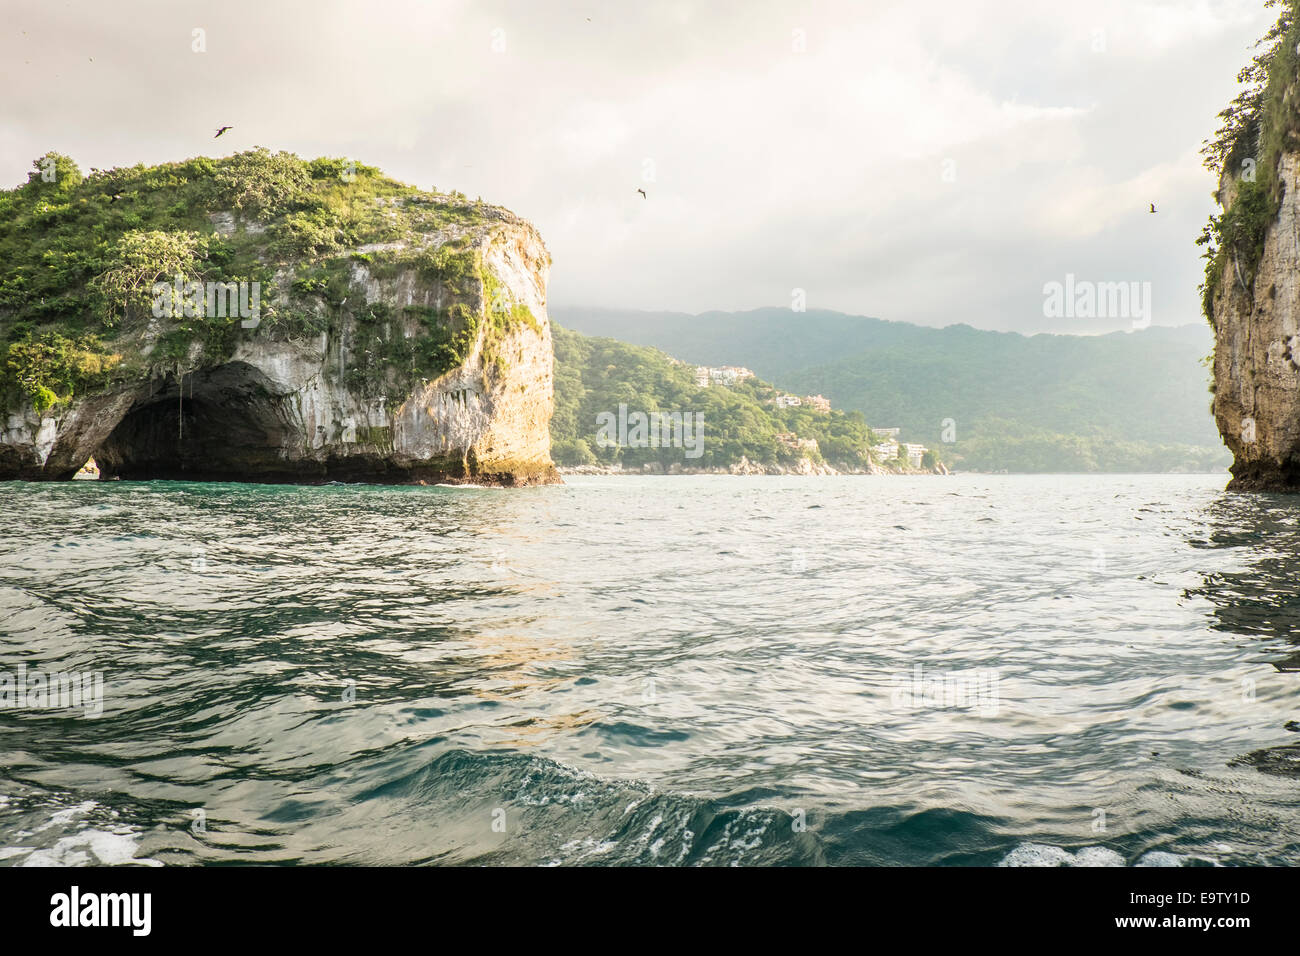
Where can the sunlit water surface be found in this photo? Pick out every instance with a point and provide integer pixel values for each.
(681, 670)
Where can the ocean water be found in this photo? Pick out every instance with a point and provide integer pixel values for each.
(1060, 670)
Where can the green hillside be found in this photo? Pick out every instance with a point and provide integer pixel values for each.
(1120, 402)
(594, 376)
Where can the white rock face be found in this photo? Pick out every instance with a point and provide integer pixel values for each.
(286, 408)
(1257, 353)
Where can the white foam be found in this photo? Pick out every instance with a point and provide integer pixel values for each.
(90, 846)
(62, 817)
(108, 849)
(1036, 854)
(1039, 854)
(1097, 856)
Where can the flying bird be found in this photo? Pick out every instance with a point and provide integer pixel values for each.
(222, 130)
(643, 195)
(1153, 207)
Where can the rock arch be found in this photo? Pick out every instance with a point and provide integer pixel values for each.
(220, 424)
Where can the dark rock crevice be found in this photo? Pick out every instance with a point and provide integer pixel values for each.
(212, 425)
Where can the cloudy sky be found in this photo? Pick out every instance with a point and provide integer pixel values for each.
(932, 162)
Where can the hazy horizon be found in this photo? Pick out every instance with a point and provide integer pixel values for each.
(560, 308)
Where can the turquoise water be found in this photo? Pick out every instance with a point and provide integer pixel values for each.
(653, 670)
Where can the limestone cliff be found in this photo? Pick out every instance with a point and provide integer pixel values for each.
(401, 337)
(1256, 375)
(1252, 283)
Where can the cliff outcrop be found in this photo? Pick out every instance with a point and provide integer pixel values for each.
(1256, 317)
(1252, 284)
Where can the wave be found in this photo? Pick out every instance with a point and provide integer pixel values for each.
(464, 807)
(541, 812)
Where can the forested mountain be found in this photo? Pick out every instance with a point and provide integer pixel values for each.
(1120, 402)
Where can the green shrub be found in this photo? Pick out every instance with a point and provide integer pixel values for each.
(53, 368)
(260, 183)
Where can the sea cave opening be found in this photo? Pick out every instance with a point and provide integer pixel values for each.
(220, 424)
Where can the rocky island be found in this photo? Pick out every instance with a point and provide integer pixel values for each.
(267, 318)
(1252, 283)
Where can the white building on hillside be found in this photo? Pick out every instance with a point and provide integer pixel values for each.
(721, 375)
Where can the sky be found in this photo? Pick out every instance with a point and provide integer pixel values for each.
(933, 162)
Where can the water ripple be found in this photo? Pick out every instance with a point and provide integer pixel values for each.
(970, 670)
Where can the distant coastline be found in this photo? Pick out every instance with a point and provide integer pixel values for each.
(744, 468)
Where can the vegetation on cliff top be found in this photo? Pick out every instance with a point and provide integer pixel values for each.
(80, 254)
(1261, 123)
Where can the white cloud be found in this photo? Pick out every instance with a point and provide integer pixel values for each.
(774, 168)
